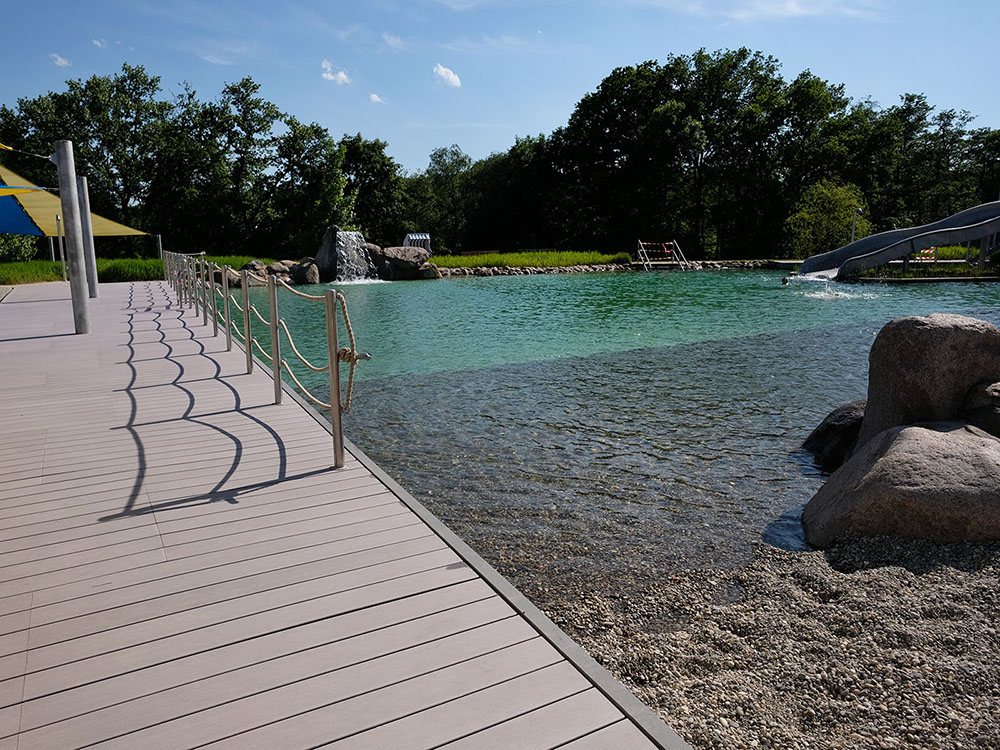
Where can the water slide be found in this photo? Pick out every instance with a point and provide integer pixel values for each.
(878, 249)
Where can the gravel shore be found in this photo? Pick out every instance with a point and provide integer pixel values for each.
(879, 642)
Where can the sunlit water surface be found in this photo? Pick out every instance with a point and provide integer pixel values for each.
(648, 420)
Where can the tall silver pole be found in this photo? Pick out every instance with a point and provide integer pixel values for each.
(52, 250)
(330, 298)
(159, 245)
(62, 254)
(70, 200)
(88, 237)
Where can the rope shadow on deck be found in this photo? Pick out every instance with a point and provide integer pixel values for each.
(218, 493)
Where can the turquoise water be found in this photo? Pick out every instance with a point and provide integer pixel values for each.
(626, 424)
(462, 324)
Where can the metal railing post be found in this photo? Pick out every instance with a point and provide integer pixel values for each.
(204, 291)
(330, 298)
(225, 308)
(246, 320)
(272, 293)
(215, 303)
(194, 285)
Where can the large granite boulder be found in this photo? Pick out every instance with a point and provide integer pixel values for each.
(306, 272)
(834, 439)
(326, 257)
(255, 266)
(921, 369)
(938, 481)
(399, 263)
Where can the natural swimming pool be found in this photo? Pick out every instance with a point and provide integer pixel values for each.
(626, 423)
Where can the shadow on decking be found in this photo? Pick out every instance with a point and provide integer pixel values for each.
(219, 492)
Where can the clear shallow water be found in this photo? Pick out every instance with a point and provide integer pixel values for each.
(614, 422)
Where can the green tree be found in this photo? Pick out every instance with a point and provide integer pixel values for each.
(374, 189)
(445, 182)
(821, 221)
(16, 247)
(113, 122)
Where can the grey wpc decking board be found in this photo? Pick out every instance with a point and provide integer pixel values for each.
(180, 565)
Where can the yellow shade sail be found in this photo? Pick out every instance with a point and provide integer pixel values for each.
(38, 211)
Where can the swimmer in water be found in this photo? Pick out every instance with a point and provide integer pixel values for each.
(784, 280)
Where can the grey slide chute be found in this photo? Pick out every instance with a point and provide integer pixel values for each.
(878, 249)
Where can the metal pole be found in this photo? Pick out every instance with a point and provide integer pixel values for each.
(330, 298)
(194, 287)
(159, 245)
(225, 308)
(70, 200)
(62, 254)
(88, 237)
(272, 293)
(204, 292)
(181, 284)
(52, 250)
(246, 320)
(215, 303)
(854, 222)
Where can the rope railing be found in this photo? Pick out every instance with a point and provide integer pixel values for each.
(194, 280)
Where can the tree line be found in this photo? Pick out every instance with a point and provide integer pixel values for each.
(716, 150)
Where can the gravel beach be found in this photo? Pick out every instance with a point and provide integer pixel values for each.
(879, 642)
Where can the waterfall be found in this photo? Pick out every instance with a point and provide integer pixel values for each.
(353, 261)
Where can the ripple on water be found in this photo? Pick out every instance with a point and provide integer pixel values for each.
(524, 413)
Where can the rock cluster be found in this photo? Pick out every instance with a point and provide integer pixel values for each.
(529, 270)
(926, 462)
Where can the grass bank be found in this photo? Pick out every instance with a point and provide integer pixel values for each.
(521, 260)
(108, 269)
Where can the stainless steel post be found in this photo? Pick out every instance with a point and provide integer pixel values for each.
(225, 308)
(194, 285)
(330, 298)
(159, 245)
(215, 302)
(90, 256)
(246, 320)
(204, 291)
(272, 293)
(52, 250)
(70, 202)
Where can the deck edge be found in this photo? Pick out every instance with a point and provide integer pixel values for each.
(633, 709)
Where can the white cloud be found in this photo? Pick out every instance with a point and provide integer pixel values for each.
(502, 43)
(226, 51)
(339, 78)
(752, 10)
(60, 61)
(447, 76)
(392, 41)
(99, 43)
(376, 99)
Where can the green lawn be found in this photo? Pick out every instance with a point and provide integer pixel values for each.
(539, 259)
(108, 269)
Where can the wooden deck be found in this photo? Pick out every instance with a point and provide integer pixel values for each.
(180, 566)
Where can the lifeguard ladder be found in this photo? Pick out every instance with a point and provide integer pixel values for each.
(668, 251)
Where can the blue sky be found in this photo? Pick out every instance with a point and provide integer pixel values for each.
(428, 73)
